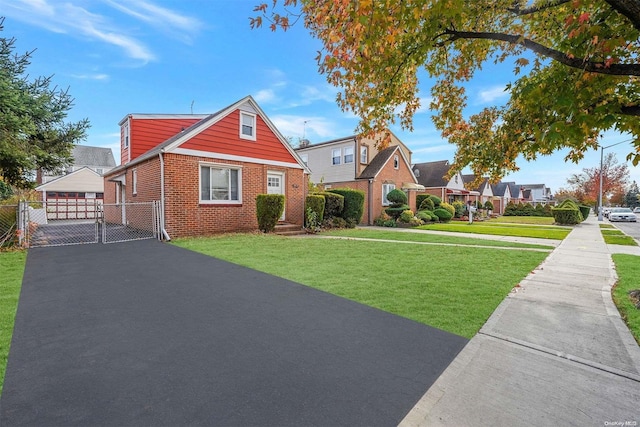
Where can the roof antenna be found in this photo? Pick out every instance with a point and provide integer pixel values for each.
(192, 106)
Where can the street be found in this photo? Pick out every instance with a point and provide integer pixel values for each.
(630, 228)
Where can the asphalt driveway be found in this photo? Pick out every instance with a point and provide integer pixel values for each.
(145, 333)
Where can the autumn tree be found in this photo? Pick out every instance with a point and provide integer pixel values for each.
(586, 185)
(33, 131)
(575, 69)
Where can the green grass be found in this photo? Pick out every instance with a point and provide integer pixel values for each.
(497, 229)
(454, 288)
(617, 237)
(607, 226)
(539, 220)
(11, 271)
(427, 238)
(628, 269)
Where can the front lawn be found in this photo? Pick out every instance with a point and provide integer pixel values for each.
(12, 268)
(497, 229)
(402, 236)
(453, 288)
(628, 269)
(539, 220)
(617, 237)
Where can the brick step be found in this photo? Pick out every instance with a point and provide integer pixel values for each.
(285, 229)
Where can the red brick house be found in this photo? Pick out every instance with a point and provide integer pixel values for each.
(207, 169)
(355, 162)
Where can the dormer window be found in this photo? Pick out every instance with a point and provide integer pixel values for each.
(247, 126)
(125, 134)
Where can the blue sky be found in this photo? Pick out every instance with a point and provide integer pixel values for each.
(169, 56)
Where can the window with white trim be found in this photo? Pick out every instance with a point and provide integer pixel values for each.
(348, 154)
(386, 188)
(396, 162)
(125, 135)
(134, 181)
(220, 184)
(247, 125)
(336, 154)
(364, 155)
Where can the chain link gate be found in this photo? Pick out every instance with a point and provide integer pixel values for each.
(91, 221)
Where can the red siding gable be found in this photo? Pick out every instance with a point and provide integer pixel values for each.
(146, 134)
(223, 137)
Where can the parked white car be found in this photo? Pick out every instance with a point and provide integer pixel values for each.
(636, 210)
(622, 214)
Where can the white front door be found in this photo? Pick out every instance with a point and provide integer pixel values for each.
(275, 185)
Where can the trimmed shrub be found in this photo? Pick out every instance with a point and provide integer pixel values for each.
(419, 199)
(567, 213)
(406, 216)
(443, 214)
(446, 206)
(395, 211)
(397, 197)
(436, 200)
(423, 215)
(353, 203)
(269, 208)
(316, 203)
(488, 205)
(333, 204)
(585, 211)
(459, 208)
(511, 209)
(527, 210)
(427, 204)
(382, 219)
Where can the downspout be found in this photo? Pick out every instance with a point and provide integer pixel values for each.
(370, 202)
(164, 231)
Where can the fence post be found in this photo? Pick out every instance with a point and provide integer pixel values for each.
(20, 226)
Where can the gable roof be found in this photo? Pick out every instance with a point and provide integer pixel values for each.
(469, 178)
(514, 189)
(431, 174)
(500, 188)
(205, 123)
(89, 174)
(93, 156)
(377, 163)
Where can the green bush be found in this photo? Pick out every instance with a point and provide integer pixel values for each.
(585, 211)
(353, 203)
(539, 210)
(406, 216)
(446, 206)
(488, 205)
(424, 215)
(382, 219)
(419, 199)
(427, 204)
(511, 209)
(458, 207)
(333, 204)
(566, 216)
(397, 197)
(395, 211)
(443, 214)
(316, 203)
(269, 208)
(436, 200)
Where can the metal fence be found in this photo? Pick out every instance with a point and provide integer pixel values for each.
(58, 223)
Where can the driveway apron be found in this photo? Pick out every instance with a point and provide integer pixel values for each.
(146, 333)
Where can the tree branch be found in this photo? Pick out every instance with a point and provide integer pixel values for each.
(628, 8)
(630, 110)
(535, 9)
(591, 66)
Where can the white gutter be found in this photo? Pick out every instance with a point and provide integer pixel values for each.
(164, 231)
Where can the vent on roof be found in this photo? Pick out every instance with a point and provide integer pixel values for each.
(416, 172)
(304, 143)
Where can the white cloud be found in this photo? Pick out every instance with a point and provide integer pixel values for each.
(100, 77)
(295, 126)
(265, 96)
(492, 94)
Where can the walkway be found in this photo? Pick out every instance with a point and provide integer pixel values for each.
(556, 352)
(150, 334)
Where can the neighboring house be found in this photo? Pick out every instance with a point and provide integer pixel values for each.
(98, 159)
(540, 193)
(355, 162)
(431, 175)
(516, 193)
(207, 170)
(501, 196)
(484, 189)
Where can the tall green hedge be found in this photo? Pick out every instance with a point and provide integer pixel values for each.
(419, 199)
(585, 211)
(316, 203)
(567, 213)
(333, 204)
(353, 203)
(269, 208)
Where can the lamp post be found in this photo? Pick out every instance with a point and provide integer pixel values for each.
(601, 165)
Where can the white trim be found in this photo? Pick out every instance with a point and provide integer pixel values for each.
(396, 161)
(344, 155)
(43, 187)
(219, 166)
(134, 181)
(200, 153)
(339, 156)
(385, 202)
(364, 150)
(283, 188)
(254, 127)
(162, 116)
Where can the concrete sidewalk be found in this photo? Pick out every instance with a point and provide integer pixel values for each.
(555, 352)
